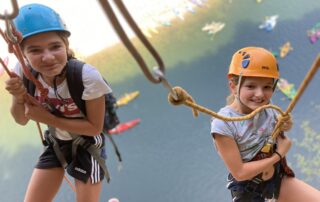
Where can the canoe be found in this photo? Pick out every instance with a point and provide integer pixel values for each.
(286, 88)
(285, 49)
(314, 33)
(122, 127)
(269, 23)
(126, 98)
(213, 27)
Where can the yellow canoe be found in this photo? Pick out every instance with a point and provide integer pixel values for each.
(126, 98)
(285, 49)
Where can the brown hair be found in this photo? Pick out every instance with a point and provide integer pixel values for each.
(234, 79)
(65, 38)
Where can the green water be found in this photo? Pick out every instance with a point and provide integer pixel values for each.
(169, 156)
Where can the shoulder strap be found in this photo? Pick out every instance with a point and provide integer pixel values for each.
(31, 88)
(74, 78)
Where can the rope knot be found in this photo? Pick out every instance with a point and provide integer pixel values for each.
(183, 97)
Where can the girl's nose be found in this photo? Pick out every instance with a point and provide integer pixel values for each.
(47, 55)
(259, 92)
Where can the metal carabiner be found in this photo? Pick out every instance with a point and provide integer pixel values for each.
(9, 31)
(15, 11)
(165, 82)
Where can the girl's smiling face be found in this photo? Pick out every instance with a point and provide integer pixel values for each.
(46, 53)
(254, 93)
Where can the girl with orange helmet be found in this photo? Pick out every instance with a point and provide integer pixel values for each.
(46, 50)
(253, 74)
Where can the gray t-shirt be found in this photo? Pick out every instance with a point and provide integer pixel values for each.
(250, 135)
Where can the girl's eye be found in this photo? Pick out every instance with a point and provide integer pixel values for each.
(55, 47)
(250, 86)
(35, 50)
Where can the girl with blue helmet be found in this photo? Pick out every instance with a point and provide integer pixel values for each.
(256, 176)
(45, 48)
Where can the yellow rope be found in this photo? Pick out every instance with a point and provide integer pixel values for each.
(186, 99)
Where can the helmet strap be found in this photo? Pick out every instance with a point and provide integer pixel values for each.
(275, 84)
(238, 91)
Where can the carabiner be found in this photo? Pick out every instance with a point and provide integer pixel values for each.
(15, 11)
(165, 82)
(10, 29)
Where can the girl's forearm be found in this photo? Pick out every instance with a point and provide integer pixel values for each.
(251, 169)
(18, 112)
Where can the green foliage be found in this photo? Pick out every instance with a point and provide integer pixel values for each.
(309, 165)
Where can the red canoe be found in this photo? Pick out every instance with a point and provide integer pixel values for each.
(124, 126)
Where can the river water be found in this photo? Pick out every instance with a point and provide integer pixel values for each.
(169, 156)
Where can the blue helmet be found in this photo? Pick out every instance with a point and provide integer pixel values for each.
(37, 18)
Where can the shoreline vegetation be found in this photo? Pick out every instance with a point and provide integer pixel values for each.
(172, 43)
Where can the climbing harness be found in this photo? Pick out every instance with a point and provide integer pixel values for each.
(77, 141)
(256, 190)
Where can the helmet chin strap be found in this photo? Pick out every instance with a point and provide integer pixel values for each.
(238, 91)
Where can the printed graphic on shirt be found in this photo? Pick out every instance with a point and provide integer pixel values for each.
(66, 106)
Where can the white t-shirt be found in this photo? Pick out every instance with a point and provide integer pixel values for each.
(250, 135)
(94, 87)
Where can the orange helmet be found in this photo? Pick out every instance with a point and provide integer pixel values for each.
(255, 62)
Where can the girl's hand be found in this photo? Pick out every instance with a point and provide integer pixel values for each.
(283, 145)
(287, 122)
(35, 111)
(14, 85)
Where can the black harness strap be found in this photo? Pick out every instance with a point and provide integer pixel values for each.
(49, 137)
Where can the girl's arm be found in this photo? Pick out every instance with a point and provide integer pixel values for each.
(229, 152)
(90, 126)
(17, 111)
(15, 87)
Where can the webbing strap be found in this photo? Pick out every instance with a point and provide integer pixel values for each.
(116, 149)
(93, 151)
(55, 146)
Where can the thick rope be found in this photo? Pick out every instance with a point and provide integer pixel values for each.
(126, 41)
